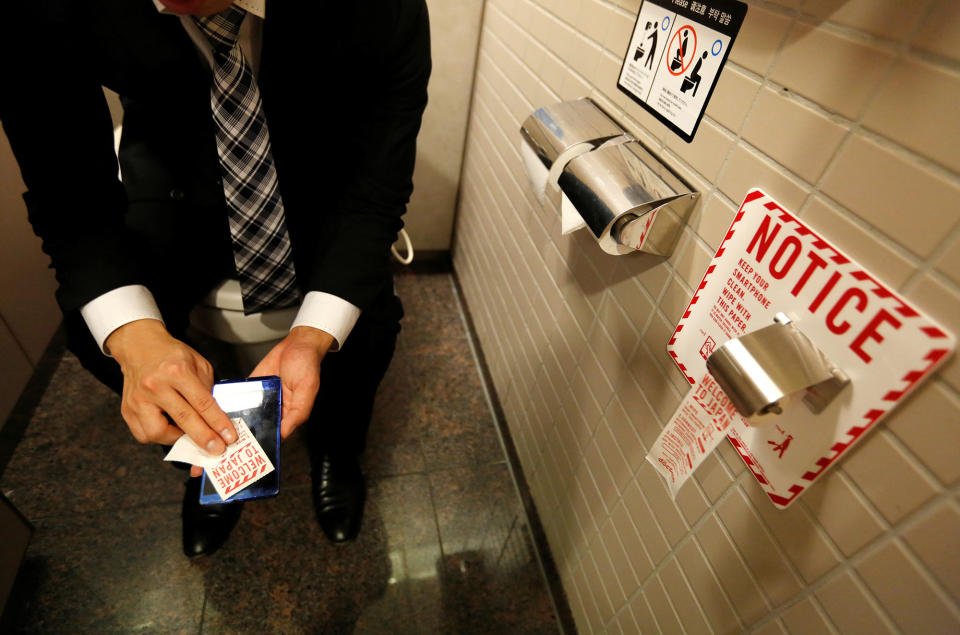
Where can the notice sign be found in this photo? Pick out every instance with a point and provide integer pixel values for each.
(675, 56)
(771, 262)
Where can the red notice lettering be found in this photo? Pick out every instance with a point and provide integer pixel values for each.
(822, 288)
(766, 240)
(791, 241)
(844, 326)
(824, 292)
(870, 331)
(816, 262)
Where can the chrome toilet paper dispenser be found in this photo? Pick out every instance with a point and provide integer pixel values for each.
(563, 130)
(627, 198)
(759, 369)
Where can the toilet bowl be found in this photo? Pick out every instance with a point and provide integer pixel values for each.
(219, 316)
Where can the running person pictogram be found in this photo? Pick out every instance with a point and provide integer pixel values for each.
(781, 447)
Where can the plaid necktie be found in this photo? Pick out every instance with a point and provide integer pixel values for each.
(261, 244)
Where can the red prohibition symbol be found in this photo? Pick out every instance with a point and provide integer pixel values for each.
(678, 52)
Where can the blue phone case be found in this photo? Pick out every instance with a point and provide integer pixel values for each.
(263, 419)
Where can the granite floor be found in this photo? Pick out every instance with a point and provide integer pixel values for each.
(444, 545)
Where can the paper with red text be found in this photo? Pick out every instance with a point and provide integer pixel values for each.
(697, 427)
(771, 261)
(242, 464)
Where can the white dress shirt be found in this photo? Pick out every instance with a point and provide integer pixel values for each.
(108, 312)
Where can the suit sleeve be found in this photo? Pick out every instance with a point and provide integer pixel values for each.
(368, 214)
(58, 123)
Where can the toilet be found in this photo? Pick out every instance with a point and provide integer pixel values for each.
(235, 343)
(245, 339)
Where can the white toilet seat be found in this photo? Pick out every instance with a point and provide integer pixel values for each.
(220, 316)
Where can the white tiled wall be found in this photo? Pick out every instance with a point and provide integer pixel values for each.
(848, 113)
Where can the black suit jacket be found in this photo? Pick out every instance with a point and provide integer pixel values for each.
(343, 86)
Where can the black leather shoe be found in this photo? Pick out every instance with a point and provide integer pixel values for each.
(338, 496)
(205, 527)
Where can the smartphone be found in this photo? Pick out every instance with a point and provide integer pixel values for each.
(258, 401)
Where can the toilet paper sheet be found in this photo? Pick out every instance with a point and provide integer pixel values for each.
(241, 465)
(697, 426)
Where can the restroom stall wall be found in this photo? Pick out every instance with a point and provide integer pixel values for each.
(28, 313)
(454, 29)
(846, 113)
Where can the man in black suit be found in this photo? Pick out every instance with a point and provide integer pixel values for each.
(343, 88)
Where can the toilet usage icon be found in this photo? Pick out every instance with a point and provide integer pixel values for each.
(676, 54)
(650, 36)
(680, 50)
(679, 63)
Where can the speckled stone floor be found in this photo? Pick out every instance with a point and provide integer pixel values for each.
(444, 545)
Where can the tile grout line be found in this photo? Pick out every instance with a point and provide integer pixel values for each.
(510, 532)
(203, 611)
(436, 518)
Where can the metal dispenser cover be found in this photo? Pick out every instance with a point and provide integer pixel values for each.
(628, 198)
(758, 369)
(554, 130)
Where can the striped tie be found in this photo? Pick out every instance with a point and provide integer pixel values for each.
(261, 244)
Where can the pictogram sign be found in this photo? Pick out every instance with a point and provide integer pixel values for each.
(771, 262)
(675, 56)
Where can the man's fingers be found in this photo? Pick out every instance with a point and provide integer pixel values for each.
(289, 424)
(192, 423)
(169, 435)
(202, 402)
(196, 470)
(155, 428)
(297, 404)
(136, 428)
(291, 421)
(288, 419)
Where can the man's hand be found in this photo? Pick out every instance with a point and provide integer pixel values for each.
(162, 375)
(296, 360)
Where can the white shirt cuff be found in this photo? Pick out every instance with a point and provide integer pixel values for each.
(108, 312)
(328, 313)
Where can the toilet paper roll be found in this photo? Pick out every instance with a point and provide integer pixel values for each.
(570, 219)
(536, 171)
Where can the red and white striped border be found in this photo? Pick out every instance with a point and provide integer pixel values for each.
(703, 283)
(939, 351)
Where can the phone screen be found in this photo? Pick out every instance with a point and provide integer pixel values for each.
(258, 402)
